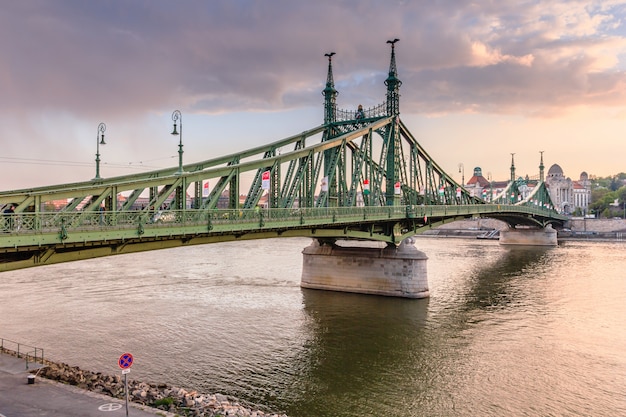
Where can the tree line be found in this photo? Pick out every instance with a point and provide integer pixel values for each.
(608, 196)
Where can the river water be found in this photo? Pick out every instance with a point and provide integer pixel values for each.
(506, 331)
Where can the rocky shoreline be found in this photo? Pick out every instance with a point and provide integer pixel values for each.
(174, 400)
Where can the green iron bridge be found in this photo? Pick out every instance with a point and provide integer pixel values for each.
(359, 175)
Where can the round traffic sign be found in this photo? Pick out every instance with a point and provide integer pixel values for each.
(125, 361)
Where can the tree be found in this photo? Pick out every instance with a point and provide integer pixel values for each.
(614, 184)
(598, 194)
(621, 193)
(608, 202)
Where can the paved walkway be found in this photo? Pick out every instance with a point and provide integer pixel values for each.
(46, 398)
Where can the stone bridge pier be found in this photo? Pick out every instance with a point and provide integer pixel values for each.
(390, 271)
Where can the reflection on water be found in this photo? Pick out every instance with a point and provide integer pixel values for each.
(491, 285)
(361, 345)
(521, 331)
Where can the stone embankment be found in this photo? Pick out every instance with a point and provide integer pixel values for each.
(159, 396)
(575, 229)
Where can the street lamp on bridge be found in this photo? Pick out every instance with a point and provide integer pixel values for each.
(176, 116)
(99, 141)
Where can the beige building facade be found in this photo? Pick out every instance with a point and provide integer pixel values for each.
(567, 195)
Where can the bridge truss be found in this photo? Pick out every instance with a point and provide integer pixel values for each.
(358, 175)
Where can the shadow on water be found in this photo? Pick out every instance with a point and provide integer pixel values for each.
(491, 286)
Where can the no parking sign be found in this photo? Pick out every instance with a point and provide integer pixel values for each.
(125, 361)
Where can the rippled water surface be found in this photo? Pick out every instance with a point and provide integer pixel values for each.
(516, 332)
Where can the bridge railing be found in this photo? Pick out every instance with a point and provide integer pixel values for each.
(63, 223)
(376, 111)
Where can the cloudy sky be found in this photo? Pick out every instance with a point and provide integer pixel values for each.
(481, 80)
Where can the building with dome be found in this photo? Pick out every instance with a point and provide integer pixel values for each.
(568, 196)
(482, 187)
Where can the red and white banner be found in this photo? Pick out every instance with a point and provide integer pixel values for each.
(325, 184)
(265, 180)
(205, 189)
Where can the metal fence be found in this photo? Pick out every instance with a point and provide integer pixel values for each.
(31, 354)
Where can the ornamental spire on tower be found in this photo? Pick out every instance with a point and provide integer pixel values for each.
(512, 167)
(541, 167)
(329, 93)
(393, 84)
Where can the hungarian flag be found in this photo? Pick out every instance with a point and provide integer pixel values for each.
(366, 187)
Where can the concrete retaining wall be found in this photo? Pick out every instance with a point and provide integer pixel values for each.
(598, 225)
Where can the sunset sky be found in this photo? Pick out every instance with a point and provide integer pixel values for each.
(480, 80)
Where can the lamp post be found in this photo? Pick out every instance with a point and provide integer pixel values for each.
(99, 141)
(462, 172)
(177, 116)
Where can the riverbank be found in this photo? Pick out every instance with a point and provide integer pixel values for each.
(170, 399)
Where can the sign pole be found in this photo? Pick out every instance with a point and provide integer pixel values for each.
(126, 390)
(125, 362)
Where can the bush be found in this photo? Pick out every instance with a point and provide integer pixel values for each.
(167, 401)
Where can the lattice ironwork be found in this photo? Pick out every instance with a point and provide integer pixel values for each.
(377, 111)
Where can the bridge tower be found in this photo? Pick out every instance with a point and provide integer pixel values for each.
(393, 135)
(330, 93)
(393, 83)
(392, 271)
(512, 167)
(330, 117)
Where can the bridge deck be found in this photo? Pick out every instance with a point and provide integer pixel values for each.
(34, 239)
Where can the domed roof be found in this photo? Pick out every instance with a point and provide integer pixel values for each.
(555, 170)
(584, 176)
